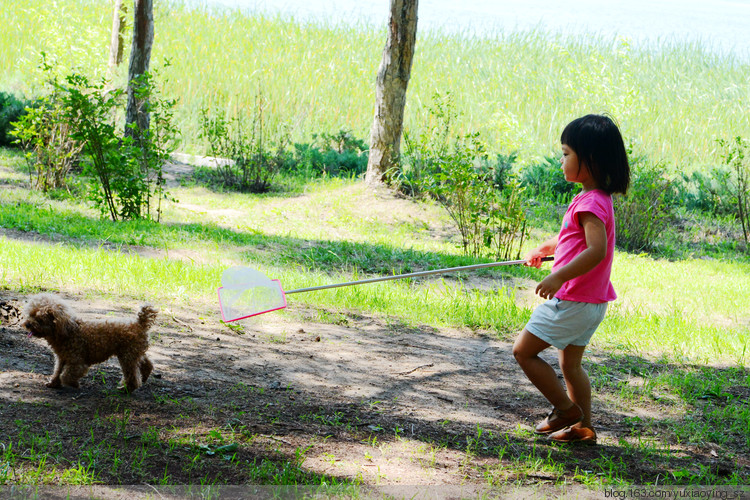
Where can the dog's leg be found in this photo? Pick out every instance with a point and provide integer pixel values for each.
(146, 367)
(54, 381)
(130, 379)
(72, 374)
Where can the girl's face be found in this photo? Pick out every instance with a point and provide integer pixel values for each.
(572, 168)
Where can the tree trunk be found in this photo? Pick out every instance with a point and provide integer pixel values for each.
(390, 98)
(116, 41)
(140, 57)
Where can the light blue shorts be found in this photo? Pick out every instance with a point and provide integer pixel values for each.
(561, 323)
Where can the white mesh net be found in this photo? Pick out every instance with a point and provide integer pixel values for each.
(246, 292)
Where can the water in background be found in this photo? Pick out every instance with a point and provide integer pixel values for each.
(721, 26)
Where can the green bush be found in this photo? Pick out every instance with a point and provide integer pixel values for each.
(505, 228)
(645, 212)
(150, 149)
(75, 123)
(479, 194)
(127, 168)
(706, 192)
(47, 138)
(421, 159)
(254, 160)
(546, 182)
(11, 110)
(332, 155)
(736, 155)
(499, 170)
(491, 221)
(417, 168)
(464, 193)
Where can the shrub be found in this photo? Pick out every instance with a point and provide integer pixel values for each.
(76, 122)
(642, 215)
(421, 159)
(463, 192)
(506, 225)
(499, 170)
(737, 157)
(337, 155)
(707, 192)
(253, 161)
(127, 169)
(490, 220)
(11, 110)
(46, 137)
(546, 182)
(478, 194)
(152, 148)
(418, 166)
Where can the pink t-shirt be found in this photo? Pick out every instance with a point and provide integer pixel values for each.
(594, 286)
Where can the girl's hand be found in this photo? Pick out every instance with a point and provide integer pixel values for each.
(534, 258)
(548, 287)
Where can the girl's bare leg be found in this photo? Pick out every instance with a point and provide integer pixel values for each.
(526, 351)
(577, 380)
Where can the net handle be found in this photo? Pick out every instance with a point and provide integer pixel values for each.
(412, 275)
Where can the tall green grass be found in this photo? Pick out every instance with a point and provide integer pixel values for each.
(518, 89)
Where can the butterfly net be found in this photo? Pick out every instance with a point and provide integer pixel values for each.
(246, 292)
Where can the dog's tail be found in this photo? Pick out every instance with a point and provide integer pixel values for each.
(147, 317)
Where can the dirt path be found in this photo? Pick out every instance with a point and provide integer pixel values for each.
(360, 377)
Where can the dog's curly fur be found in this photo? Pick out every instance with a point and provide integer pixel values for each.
(78, 344)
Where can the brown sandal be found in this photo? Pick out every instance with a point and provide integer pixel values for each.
(560, 419)
(575, 434)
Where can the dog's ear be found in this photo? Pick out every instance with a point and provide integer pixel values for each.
(61, 320)
(61, 328)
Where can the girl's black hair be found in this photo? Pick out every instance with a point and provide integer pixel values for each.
(598, 143)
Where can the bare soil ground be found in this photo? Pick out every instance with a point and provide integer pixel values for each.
(359, 377)
(363, 400)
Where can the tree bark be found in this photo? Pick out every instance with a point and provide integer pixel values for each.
(390, 99)
(116, 41)
(140, 57)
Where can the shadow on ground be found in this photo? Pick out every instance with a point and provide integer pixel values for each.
(292, 401)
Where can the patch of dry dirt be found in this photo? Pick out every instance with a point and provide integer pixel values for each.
(361, 377)
(365, 399)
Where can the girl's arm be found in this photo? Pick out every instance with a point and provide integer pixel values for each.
(534, 257)
(596, 250)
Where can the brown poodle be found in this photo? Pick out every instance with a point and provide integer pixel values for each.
(78, 344)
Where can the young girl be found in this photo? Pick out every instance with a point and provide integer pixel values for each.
(578, 289)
